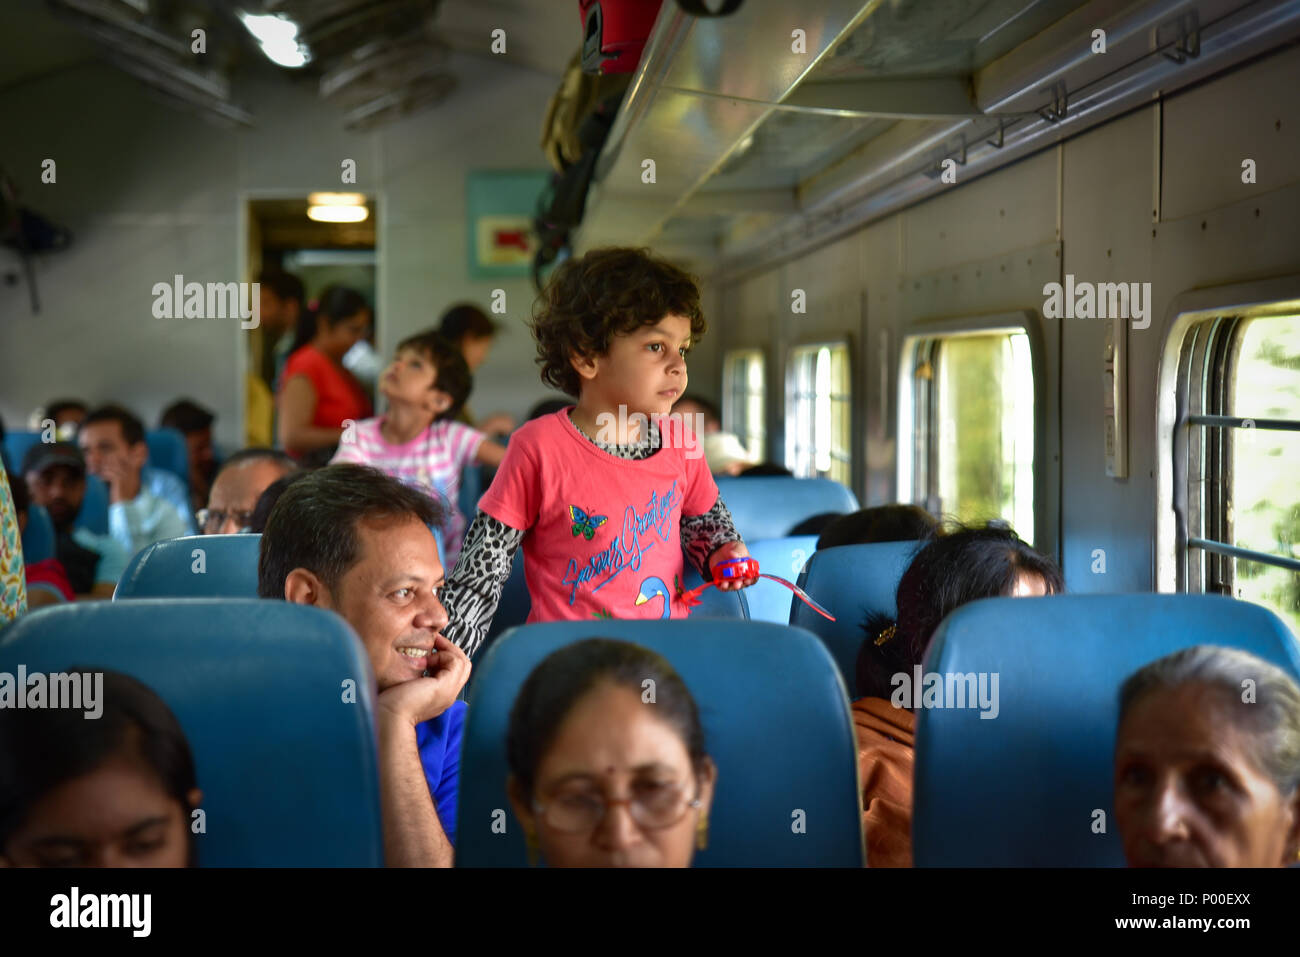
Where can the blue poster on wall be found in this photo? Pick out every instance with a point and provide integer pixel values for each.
(500, 205)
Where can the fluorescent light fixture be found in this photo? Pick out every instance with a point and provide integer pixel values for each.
(278, 36)
(337, 214)
(336, 199)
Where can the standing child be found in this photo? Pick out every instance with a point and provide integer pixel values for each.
(417, 441)
(603, 501)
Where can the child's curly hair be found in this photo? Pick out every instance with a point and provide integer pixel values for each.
(606, 293)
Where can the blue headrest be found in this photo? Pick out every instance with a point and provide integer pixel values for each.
(16, 445)
(785, 558)
(167, 450)
(776, 722)
(93, 514)
(851, 582)
(471, 490)
(196, 566)
(38, 536)
(768, 506)
(287, 766)
(1021, 789)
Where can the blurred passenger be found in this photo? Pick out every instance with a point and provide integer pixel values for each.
(881, 523)
(68, 414)
(690, 406)
(356, 542)
(598, 777)
(769, 469)
(1207, 762)
(13, 581)
(112, 439)
(962, 566)
(814, 524)
(56, 480)
(418, 441)
(317, 394)
(238, 486)
(725, 453)
(47, 582)
(195, 423)
(473, 332)
(270, 495)
(115, 791)
(282, 303)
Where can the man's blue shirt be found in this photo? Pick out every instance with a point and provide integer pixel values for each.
(439, 742)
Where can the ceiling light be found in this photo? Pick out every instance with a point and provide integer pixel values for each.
(337, 214)
(278, 36)
(336, 199)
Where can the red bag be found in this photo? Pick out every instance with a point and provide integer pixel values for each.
(615, 32)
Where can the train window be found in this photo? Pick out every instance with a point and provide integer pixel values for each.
(1241, 512)
(817, 433)
(744, 395)
(970, 408)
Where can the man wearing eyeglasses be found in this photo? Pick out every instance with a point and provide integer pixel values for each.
(240, 483)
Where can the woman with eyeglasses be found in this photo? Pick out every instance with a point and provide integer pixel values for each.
(607, 760)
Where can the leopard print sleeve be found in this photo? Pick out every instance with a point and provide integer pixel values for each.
(473, 591)
(702, 535)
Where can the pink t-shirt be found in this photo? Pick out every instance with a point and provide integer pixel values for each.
(603, 533)
(431, 461)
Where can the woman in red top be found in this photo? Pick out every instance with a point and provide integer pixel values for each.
(316, 393)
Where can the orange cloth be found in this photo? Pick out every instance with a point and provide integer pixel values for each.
(886, 736)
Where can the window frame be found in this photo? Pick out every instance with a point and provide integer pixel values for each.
(918, 405)
(729, 412)
(1198, 358)
(843, 341)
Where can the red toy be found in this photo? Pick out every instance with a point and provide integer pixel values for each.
(734, 568)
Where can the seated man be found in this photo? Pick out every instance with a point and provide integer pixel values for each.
(350, 539)
(112, 440)
(56, 479)
(239, 484)
(195, 423)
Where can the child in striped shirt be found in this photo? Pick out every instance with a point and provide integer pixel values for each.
(418, 441)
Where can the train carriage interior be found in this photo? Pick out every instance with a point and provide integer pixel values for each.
(971, 539)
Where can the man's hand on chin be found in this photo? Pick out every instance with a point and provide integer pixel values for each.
(423, 699)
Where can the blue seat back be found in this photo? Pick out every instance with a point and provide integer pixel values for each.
(851, 582)
(776, 723)
(167, 450)
(93, 514)
(16, 445)
(768, 506)
(196, 566)
(471, 490)
(785, 558)
(38, 536)
(286, 764)
(1023, 789)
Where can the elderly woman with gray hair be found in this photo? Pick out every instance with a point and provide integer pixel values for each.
(1207, 762)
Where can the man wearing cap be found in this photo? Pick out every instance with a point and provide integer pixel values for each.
(56, 480)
